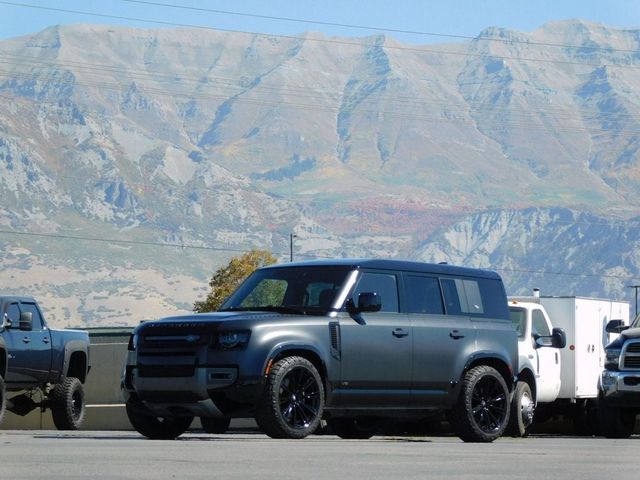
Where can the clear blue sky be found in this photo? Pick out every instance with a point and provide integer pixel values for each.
(453, 17)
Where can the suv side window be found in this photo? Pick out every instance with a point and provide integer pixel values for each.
(454, 298)
(384, 284)
(539, 325)
(37, 319)
(423, 295)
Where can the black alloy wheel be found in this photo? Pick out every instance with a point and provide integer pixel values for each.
(293, 399)
(489, 404)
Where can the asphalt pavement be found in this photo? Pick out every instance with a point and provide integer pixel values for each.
(242, 455)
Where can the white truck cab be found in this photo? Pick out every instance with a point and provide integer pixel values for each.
(539, 364)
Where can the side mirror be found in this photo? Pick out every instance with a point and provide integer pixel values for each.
(367, 302)
(26, 321)
(558, 338)
(615, 326)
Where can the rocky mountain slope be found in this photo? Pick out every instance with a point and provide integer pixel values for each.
(134, 162)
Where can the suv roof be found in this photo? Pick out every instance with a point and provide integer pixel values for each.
(403, 265)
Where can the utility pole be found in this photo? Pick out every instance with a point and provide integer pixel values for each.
(635, 287)
(291, 237)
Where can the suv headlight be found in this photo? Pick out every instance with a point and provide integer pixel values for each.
(233, 339)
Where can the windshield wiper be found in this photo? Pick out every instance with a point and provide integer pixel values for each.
(286, 309)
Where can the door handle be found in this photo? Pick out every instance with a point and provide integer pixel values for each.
(456, 335)
(399, 332)
(26, 340)
(45, 340)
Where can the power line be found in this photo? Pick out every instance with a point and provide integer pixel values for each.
(383, 29)
(282, 253)
(311, 39)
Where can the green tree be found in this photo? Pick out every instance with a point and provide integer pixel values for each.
(226, 279)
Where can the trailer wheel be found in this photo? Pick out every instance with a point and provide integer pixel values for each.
(522, 409)
(67, 404)
(3, 399)
(153, 427)
(615, 422)
(481, 412)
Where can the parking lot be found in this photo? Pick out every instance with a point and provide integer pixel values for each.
(246, 455)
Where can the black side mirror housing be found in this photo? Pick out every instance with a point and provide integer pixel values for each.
(558, 338)
(615, 326)
(26, 321)
(367, 302)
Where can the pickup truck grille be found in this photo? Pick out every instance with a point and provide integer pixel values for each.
(631, 355)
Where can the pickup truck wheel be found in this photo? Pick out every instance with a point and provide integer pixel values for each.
(522, 408)
(67, 404)
(292, 401)
(353, 428)
(156, 428)
(481, 412)
(615, 422)
(3, 399)
(215, 425)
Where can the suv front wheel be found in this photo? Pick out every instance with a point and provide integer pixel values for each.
(481, 412)
(292, 401)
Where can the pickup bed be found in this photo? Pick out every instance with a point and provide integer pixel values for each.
(38, 359)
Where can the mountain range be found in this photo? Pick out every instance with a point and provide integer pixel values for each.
(135, 162)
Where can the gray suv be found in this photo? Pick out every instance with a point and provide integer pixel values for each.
(349, 341)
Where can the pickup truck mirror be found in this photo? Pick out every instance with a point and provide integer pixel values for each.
(367, 302)
(557, 339)
(615, 326)
(26, 321)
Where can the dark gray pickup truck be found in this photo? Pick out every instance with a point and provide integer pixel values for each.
(41, 362)
(349, 341)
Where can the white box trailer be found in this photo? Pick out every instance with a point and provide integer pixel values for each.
(583, 320)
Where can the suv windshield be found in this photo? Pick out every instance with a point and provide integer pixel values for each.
(635, 323)
(306, 290)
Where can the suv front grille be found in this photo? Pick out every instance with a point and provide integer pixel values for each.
(159, 371)
(631, 355)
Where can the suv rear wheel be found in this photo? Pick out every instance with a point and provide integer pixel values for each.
(293, 399)
(481, 413)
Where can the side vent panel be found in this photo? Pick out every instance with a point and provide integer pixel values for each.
(334, 333)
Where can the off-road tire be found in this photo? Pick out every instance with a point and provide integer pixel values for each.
(615, 422)
(521, 416)
(153, 427)
(292, 401)
(481, 413)
(3, 399)
(215, 425)
(353, 428)
(66, 401)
